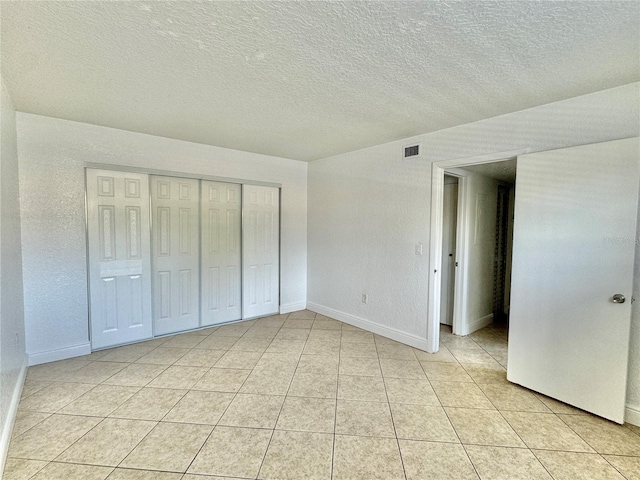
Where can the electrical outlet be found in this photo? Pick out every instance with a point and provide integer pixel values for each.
(365, 298)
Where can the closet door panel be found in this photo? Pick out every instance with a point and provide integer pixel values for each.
(260, 251)
(221, 214)
(119, 257)
(175, 253)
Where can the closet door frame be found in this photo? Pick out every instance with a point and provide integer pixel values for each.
(213, 178)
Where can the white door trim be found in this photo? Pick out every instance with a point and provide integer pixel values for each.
(462, 253)
(435, 244)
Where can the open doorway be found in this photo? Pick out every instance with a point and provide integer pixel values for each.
(473, 242)
(567, 283)
(449, 227)
(477, 234)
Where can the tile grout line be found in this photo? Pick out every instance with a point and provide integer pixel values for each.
(58, 412)
(93, 386)
(505, 420)
(234, 396)
(492, 403)
(158, 422)
(464, 448)
(533, 451)
(450, 422)
(550, 412)
(386, 394)
(273, 430)
(104, 418)
(66, 405)
(72, 444)
(595, 451)
(616, 468)
(335, 408)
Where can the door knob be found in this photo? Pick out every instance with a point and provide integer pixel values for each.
(618, 298)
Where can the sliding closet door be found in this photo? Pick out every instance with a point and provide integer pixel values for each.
(119, 262)
(260, 250)
(175, 253)
(221, 231)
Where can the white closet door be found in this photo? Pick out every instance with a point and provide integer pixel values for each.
(260, 251)
(119, 262)
(176, 262)
(221, 230)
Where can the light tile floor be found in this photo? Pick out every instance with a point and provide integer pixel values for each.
(302, 396)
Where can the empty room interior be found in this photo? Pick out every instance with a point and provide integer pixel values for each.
(319, 240)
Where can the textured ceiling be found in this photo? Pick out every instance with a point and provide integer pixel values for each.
(306, 80)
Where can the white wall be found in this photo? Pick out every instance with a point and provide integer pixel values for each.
(12, 347)
(368, 208)
(481, 240)
(52, 156)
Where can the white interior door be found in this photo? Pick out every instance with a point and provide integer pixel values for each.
(260, 251)
(449, 222)
(176, 257)
(119, 262)
(573, 250)
(221, 217)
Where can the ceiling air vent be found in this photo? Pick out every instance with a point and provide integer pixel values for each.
(412, 151)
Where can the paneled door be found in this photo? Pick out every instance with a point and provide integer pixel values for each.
(119, 261)
(221, 217)
(260, 251)
(572, 281)
(175, 253)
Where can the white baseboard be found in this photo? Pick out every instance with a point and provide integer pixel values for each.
(292, 307)
(60, 354)
(7, 428)
(392, 333)
(632, 416)
(478, 324)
